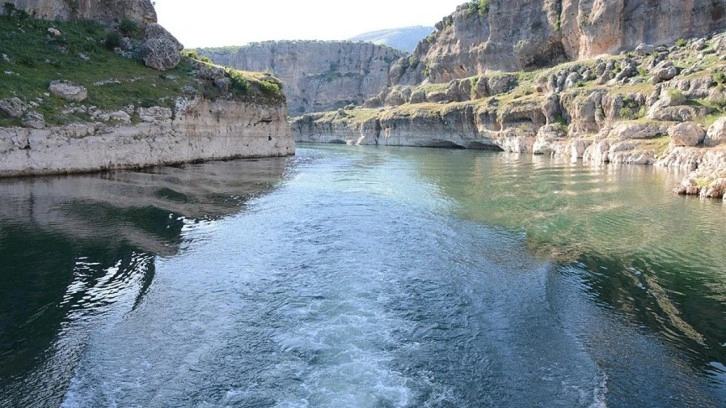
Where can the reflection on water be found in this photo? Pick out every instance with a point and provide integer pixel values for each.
(80, 251)
(656, 258)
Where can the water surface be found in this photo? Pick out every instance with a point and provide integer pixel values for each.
(366, 277)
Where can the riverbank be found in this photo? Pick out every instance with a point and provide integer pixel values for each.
(83, 96)
(662, 106)
(194, 130)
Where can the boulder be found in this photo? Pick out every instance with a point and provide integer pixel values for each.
(394, 98)
(33, 120)
(673, 114)
(54, 32)
(716, 134)
(551, 108)
(664, 71)
(11, 107)
(482, 87)
(161, 49)
(154, 114)
(160, 54)
(68, 91)
(223, 84)
(500, 84)
(636, 130)
(418, 96)
(436, 97)
(373, 102)
(157, 31)
(547, 138)
(716, 189)
(207, 71)
(686, 134)
(459, 90)
(644, 49)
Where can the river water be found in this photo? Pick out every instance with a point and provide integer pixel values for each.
(362, 277)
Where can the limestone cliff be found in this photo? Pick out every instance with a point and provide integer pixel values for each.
(76, 96)
(316, 75)
(663, 106)
(108, 11)
(195, 129)
(506, 35)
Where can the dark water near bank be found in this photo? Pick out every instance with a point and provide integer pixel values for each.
(362, 277)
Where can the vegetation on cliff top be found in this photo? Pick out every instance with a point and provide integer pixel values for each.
(33, 53)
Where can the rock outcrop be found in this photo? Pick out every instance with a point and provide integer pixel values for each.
(529, 34)
(107, 11)
(196, 129)
(68, 91)
(317, 75)
(612, 109)
(134, 116)
(160, 50)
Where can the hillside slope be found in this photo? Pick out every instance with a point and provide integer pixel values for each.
(78, 97)
(404, 39)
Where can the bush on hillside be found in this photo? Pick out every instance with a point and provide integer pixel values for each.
(113, 40)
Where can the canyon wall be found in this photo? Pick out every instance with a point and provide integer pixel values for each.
(196, 129)
(317, 75)
(520, 35)
(107, 11)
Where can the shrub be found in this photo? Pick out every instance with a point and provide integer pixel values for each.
(675, 94)
(190, 54)
(719, 77)
(719, 104)
(129, 28)
(27, 60)
(478, 6)
(10, 11)
(113, 40)
(681, 42)
(269, 88)
(239, 83)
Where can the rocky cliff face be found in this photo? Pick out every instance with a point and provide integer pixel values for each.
(196, 129)
(108, 11)
(659, 106)
(529, 34)
(317, 75)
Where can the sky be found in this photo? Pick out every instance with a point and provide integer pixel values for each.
(216, 23)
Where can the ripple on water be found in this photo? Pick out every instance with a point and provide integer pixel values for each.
(388, 278)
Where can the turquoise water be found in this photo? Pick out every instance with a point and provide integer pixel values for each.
(362, 277)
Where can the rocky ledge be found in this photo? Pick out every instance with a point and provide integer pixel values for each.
(195, 129)
(656, 105)
(88, 97)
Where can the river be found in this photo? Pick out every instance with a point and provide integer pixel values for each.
(362, 277)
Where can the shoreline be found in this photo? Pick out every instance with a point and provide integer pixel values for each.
(196, 130)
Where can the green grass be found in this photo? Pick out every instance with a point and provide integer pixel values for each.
(78, 55)
(657, 145)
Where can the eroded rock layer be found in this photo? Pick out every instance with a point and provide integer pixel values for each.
(530, 34)
(317, 75)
